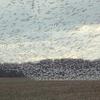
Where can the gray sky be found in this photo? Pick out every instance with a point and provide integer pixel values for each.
(32, 30)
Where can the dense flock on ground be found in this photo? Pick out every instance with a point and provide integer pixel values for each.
(53, 69)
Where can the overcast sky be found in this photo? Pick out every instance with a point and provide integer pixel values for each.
(32, 30)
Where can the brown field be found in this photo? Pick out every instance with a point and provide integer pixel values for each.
(25, 89)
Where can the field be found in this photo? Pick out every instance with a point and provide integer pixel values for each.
(25, 89)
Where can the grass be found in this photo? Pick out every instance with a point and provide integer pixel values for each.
(25, 89)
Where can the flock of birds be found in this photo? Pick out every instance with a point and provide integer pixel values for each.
(50, 23)
(62, 69)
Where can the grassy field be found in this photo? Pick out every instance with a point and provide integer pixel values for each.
(25, 89)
